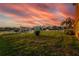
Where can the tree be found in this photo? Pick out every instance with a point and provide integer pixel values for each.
(68, 25)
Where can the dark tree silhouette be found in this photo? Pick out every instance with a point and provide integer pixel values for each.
(68, 25)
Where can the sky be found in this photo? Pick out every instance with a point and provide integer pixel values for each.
(33, 14)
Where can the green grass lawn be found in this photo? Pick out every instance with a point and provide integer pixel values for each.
(49, 43)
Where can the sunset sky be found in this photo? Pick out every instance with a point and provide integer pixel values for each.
(32, 14)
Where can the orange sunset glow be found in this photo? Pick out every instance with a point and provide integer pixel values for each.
(32, 14)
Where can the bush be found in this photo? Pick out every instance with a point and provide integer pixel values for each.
(69, 32)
